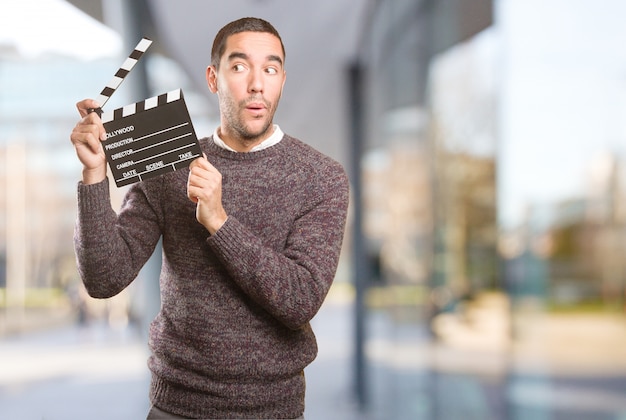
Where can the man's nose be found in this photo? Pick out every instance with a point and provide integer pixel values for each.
(255, 84)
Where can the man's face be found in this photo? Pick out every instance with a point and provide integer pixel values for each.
(249, 84)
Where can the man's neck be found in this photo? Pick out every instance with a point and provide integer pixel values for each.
(242, 145)
(275, 136)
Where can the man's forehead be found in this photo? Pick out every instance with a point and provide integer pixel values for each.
(254, 43)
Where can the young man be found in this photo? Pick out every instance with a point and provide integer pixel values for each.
(251, 236)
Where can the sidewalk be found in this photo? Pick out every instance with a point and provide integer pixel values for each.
(562, 366)
(73, 373)
(99, 373)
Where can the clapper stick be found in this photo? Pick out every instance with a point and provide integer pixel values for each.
(121, 74)
(148, 138)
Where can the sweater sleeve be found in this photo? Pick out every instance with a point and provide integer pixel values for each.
(292, 284)
(111, 249)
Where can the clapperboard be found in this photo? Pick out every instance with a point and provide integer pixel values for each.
(147, 138)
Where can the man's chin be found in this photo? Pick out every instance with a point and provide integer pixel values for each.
(253, 134)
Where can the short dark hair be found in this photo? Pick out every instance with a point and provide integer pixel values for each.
(247, 24)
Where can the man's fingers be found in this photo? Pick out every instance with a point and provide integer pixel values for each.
(203, 180)
(202, 163)
(89, 140)
(93, 123)
(88, 134)
(193, 194)
(86, 109)
(86, 106)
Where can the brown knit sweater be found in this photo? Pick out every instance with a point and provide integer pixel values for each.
(233, 336)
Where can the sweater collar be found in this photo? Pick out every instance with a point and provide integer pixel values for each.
(276, 137)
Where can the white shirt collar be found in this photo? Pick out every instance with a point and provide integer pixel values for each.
(276, 137)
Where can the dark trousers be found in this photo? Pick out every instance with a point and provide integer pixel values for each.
(158, 414)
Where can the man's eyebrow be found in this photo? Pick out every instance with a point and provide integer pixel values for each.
(275, 58)
(243, 56)
(236, 54)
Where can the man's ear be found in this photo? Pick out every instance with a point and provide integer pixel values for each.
(211, 78)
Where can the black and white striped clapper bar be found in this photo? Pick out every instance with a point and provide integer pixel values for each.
(122, 72)
(149, 138)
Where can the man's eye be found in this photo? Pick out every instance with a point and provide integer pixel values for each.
(271, 70)
(238, 67)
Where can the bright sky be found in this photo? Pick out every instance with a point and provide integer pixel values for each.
(34, 27)
(564, 97)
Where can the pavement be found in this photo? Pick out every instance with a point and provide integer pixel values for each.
(559, 367)
(67, 371)
(74, 372)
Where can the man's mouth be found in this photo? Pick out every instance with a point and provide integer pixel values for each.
(255, 106)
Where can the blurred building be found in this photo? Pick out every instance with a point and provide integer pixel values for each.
(38, 175)
(44, 70)
(581, 241)
(471, 242)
